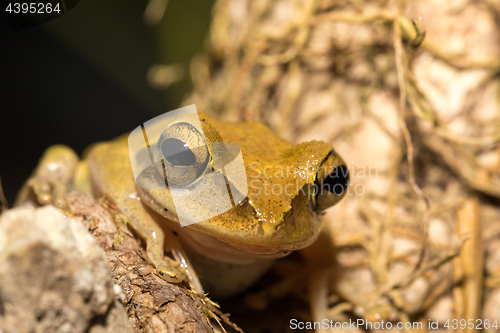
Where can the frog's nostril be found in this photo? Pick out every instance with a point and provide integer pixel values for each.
(337, 181)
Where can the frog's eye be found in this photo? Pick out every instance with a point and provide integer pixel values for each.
(183, 153)
(332, 181)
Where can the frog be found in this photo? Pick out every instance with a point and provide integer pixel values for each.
(288, 187)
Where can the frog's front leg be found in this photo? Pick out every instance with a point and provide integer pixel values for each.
(154, 237)
(111, 176)
(51, 179)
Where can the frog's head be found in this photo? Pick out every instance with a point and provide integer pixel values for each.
(287, 187)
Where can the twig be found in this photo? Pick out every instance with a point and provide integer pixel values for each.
(418, 24)
(400, 70)
(423, 110)
(412, 29)
(470, 263)
(354, 17)
(432, 265)
(465, 169)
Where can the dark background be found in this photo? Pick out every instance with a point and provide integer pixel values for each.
(81, 78)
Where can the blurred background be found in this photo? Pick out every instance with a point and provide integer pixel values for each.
(81, 78)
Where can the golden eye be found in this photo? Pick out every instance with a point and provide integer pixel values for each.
(183, 154)
(332, 181)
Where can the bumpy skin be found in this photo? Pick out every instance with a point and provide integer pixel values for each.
(267, 224)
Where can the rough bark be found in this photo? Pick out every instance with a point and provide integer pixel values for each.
(153, 304)
(54, 278)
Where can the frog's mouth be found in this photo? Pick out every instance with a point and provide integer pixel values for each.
(243, 230)
(257, 224)
(298, 228)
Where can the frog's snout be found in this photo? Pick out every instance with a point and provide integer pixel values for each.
(332, 181)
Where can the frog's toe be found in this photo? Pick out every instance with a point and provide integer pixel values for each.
(48, 192)
(170, 274)
(59, 192)
(42, 190)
